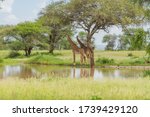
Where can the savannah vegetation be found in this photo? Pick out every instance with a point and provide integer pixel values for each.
(44, 42)
(66, 89)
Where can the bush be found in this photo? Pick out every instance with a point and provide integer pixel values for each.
(105, 61)
(137, 62)
(146, 73)
(46, 59)
(16, 46)
(13, 54)
(1, 60)
(130, 54)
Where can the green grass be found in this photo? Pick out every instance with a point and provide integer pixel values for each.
(64, 57)
(66, 89)
(47, 60)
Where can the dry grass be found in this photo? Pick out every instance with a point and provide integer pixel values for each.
(83, 89)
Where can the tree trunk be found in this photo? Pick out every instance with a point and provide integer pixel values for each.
(51, 44)
(51, 48)
(92, 63)
(89, 45)
(29, 51)
(26, 53)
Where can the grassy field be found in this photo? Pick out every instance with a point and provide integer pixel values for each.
(59, 88)
(64, 57)
(66, 89)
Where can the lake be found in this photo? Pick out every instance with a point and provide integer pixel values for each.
(43, 71)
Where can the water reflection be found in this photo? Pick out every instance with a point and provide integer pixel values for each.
(82, 72)
(43, 71)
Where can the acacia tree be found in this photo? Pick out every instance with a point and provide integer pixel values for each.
(52, 18)
(28, 34)
(95, 15)
(135, 39)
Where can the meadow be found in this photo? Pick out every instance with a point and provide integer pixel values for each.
(66, 89)
(64, 57)
(76, 89)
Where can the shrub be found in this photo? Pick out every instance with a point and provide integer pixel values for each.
(1, 60)
(130, 54)
(105, 61)
(137, 61)
(13, 54)
(96, 98)
(146, 73)
(46, 59)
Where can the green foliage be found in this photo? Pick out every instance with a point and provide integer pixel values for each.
(1, 60)
(16, 45)
(29, 34)
(63, 44)
(105, 61)
(29, 28)
(13, 54)
(47, 60)
(53, 18)
(94, 15)
(96, 98)
(148, 52)
(146, 73)
(134, 39)
(137, 61)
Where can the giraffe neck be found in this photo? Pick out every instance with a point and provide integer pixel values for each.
(73, 45)
(81, 44)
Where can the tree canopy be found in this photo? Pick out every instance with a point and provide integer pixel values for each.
(95, 15)
(52, 18)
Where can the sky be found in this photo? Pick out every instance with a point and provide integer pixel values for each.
(16, 11)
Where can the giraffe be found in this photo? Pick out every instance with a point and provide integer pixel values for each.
(76, 50)
(87, 50)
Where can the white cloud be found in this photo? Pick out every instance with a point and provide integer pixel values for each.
(41, 4)
(6, 14)
(7, 6)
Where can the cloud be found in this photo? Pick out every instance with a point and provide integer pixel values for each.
(7, 6)
(6, 14)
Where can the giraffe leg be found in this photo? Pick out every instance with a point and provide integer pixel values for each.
(81, 59)
(74, 58)
(85, 60)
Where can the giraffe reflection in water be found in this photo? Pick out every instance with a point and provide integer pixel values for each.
(82, 72)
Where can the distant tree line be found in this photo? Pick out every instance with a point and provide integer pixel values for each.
(131, 39)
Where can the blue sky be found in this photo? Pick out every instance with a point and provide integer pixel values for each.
(15, 11)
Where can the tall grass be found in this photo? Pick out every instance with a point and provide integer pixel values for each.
(66, 89)
(105, 61)
(47, 60)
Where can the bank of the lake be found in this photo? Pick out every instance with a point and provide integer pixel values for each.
(66, 89)
(64, 57)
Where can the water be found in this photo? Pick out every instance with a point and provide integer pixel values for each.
(44, 71)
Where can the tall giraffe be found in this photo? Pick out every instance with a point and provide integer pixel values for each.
(87, 50)
(76, 50)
